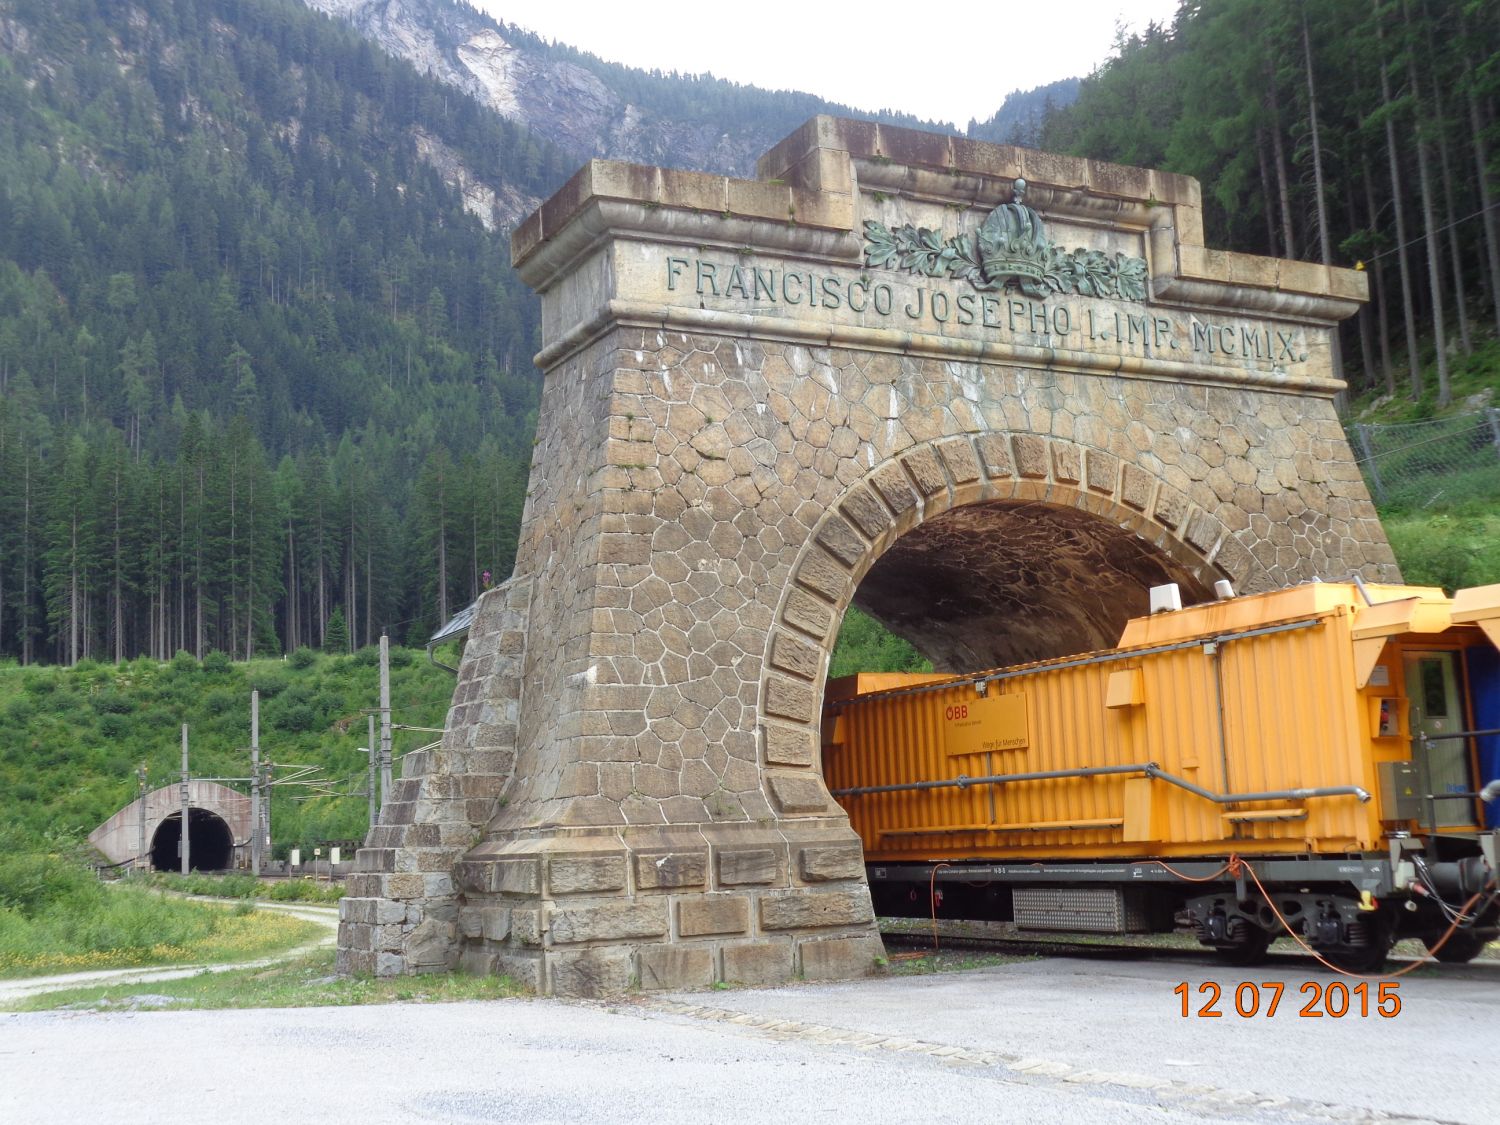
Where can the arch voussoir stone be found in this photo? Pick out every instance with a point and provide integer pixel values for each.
(747, 425)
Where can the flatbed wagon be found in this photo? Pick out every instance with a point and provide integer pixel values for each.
(1311, 760)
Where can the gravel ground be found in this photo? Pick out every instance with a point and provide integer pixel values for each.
(1037, 1041)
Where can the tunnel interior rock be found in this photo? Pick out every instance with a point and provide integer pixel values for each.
(210, 843)
(1006, 583)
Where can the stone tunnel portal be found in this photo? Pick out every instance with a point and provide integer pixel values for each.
(1007, 582)
(210, 842)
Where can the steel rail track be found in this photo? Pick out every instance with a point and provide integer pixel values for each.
(1106, 950)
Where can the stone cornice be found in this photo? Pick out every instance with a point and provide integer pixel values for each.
(807, 203)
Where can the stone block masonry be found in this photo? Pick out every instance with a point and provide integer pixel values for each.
(764, 401)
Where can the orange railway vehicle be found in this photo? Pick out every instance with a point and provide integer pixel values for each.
(1311, 758)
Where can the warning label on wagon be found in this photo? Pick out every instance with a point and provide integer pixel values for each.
(986, 723)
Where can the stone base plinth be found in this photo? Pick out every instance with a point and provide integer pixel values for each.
(589, 913)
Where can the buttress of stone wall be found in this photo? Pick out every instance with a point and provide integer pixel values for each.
(400, 912)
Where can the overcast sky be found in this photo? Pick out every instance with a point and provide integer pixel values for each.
(939, 61)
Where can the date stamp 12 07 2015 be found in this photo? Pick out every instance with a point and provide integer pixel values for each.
(1313, 999)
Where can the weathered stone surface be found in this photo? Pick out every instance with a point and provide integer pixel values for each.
(581, 874)
(789, 746)
(671, 870)
(713, 914)
(1031, 455)
(605, 971)
(840, 861)
(748, 866)
(768, 962)
(840, 958)
(800, 910)
(676, 966)
(796, 656)
(608, 921)
(800, 792)
(495, 923)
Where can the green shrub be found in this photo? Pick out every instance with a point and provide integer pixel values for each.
(112, 703)
(302, 658)
(1448, 551)
(114, 727)
(32, 883)
(225, 701)
(297, 718)
(217, 663)
(304, 890)
(270, 682)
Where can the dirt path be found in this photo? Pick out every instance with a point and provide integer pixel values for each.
(326, 916)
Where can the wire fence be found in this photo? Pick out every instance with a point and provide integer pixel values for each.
(1434, 465)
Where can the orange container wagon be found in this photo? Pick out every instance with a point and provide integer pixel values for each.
(1312, 759)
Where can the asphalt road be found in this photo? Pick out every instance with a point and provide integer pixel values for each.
(1083, 1041)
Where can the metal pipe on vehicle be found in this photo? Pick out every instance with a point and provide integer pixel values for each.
(963, 782)
(1155, 771)
(1149, 769)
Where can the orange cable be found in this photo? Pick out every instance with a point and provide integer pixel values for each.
(932, 900)
(1349, 973)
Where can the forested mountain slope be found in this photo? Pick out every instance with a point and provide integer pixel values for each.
(582, 104)
(1336, 131)
(243, 322)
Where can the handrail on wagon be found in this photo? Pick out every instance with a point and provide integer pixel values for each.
(1425, 737)
(1153, 770)
(1149, 769)
(982, 680)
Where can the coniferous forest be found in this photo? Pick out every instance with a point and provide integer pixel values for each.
(257, 363)
(265, 382)
(1333, 131)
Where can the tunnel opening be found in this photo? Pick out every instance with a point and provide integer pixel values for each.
(1009, 582)
(210, 842)
(991, 585)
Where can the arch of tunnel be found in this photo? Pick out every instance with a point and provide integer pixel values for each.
(992, 395)
(218, 828)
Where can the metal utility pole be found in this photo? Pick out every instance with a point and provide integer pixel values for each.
(385, 721)
(265, 807)
(184, 845)
(371, 748)
(255, 837)
(140, 847)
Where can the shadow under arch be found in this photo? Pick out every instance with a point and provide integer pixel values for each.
(210, 842)
(983, 550)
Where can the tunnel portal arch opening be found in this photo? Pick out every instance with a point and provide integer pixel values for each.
(1004, 582)
(980, 559)
(210, 842)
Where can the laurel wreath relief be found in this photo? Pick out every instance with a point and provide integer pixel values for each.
(992, 262)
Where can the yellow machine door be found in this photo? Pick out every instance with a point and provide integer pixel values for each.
(1435, 691)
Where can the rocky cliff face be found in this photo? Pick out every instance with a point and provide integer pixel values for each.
(561, 101)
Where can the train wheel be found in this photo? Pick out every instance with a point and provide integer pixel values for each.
(1250, 950)
(1460, 948)
(1367, 957)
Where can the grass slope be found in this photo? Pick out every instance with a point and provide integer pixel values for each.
(56, 917)
(304, 982)
(73, 737)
